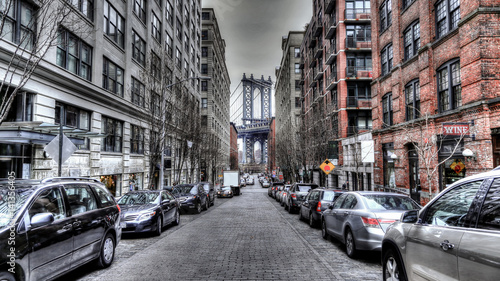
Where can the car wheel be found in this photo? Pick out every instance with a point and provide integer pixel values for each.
(198, 207)
(159, 226)
(213, 202)
(289, 208)
(7, 276)
(324, 234)
(205, 207)
(312, 223)
(350, 246)
(107, 252)
(177, 219)
(393, 267)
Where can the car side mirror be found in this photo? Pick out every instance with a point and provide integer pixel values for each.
(410, 216)
(41, 219)
(330, 206)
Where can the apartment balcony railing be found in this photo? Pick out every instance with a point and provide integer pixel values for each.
(318, 74)
(332, 54)
(331, 26)
(359, 103)
(332, 80)
(329, 6)
(359, 43)
(357, 14)
(318, 27)
(312, 43)
(358, 72)
(354, 130)
(318, 51)
(311, 80)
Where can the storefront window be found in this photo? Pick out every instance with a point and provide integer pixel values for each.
(389, 172)
(135, 182)
(113, 184)
(453, 170)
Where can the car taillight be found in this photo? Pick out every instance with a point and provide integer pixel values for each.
(370, 222)
(318, 208)
(119, 209)
(293, 195)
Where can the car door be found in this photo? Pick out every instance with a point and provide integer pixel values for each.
(166, 207)
(50, 246)
(479, 254)
(434, 241)
(304, 209)
(343, 214)
(88, 222)
(328, 215)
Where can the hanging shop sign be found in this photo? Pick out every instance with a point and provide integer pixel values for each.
(456, 129)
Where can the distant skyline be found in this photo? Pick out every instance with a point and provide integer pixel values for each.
(253, 30)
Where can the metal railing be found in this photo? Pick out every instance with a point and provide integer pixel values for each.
(357, 14)
(353, 130)
(358, 71)
(358, 102)
(358, 42)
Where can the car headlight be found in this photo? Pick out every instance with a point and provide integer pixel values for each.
(146, 216)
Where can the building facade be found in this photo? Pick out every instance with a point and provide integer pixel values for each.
(233, 153)
(95, 82)
(215, 95)
(435, 93)
(336, 98)
(287, 99)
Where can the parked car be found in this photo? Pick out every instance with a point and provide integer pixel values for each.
(266, 184)
(148, 211)
(250, 181)
(56, 225)
(210, 191)
(191, 197)
(316, 201)
(279, 192)
(454, 237)
(286, 189)
(297, 195)
(243, 182)
(225, 191)
(275, 187)
(359, 219)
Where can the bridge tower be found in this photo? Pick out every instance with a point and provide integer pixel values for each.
(256, 117)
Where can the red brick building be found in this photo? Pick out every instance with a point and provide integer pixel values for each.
(233, 147)
(436, 71)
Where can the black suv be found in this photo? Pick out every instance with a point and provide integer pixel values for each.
(210, 190)
(191, 197)
(53, 226)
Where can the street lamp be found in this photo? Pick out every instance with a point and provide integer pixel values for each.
(162, 158)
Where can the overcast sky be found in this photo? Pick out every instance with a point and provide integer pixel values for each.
(253, 30)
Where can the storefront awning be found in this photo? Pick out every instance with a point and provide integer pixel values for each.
(41, 133)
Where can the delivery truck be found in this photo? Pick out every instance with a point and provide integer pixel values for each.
(232, 179)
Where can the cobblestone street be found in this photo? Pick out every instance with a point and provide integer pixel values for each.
(248, 237)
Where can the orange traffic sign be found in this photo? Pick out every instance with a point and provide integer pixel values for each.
(327, 166)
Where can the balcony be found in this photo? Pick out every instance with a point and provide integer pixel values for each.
(318, 27)
(318, 51)
(332, 81)
(358, 72)
(318, 74)
(332, 54)
(358, 44)
(302, 79)
(355, 130)
(312, 43)
(358, 103)
(357, 15)
(301, 63)
(329, 6)
(312, 82)
(312, 63)
(332, 26)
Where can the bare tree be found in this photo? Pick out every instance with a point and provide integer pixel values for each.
(28, 39)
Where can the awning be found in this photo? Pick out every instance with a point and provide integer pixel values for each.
(41, 133)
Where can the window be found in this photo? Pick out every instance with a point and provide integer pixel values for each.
(452, 207)
(138, 48)
(204, 68)
(49, 201)
(204, 103)
(169, 12)
(112, 77)
(204, 35)
(156, 103)
(447, 16)
(86, 7)
(297, 52)
(412, 40)
(297, 68)
(449, 86)
(113, 130)
(178, 29)
(72, 117)
(114, 24)
(297, 85)
(186, 68)
(412, 99)
(407, 3)
(386, 58)
(155, 66)
(138, 90)
(204, 85)
(18, 23)
(156, 27)
(205, 16)
(136, 139)
(22, 107)
(298, 104)
(204, 52)
(81, 199)
(73, 54)
(169, 45)
(178, 58)
(385, 15)
(387, 109)
(140, 9)
(489, 217)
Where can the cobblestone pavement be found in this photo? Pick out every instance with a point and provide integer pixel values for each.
(248, 237)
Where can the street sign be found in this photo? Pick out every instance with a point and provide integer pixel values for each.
(327, 166)
(53, 149)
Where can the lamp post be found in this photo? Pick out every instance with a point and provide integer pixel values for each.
(162, 157)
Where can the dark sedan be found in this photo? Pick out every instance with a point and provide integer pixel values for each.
(192, 197)
(316, 202)
(148, 211)
(210, 191)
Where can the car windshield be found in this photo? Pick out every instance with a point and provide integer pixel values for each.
(304, 188)
(390, 202)
(138, 198)
(226, 188)
(185, 189)
(11, 201)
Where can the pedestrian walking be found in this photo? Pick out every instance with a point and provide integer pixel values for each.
(345, 186)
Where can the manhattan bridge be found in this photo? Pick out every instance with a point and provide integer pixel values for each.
(251, 112)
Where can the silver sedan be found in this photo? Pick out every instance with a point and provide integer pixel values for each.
(359, 218)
